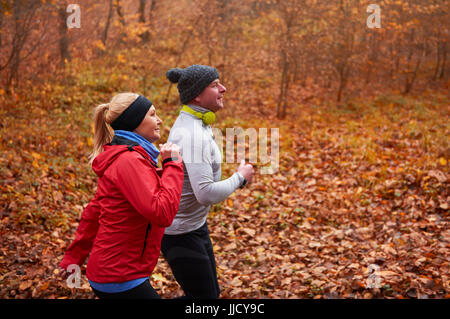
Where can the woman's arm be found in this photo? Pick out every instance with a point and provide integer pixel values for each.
(157, 201)
(87, 229)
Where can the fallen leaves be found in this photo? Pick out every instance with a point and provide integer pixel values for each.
(25, 285)
(438, 175)
(249, 231)
(314, 229)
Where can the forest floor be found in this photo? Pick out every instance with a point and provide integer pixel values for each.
(359, 207)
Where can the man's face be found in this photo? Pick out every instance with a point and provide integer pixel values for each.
(211, 97)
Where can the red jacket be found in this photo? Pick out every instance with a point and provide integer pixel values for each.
(123, 225)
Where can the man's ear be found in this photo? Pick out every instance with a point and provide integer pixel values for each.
(196, 100)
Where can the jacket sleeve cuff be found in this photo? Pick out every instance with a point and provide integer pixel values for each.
(169, 159)
(242, 180)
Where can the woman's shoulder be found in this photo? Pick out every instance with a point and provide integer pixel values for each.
(135, 156)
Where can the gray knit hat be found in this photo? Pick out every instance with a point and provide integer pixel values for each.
(192, 80)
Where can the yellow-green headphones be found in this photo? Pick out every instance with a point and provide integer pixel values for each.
(208, 118)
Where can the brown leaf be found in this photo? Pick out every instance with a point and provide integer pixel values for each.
(45, 286)
(229, 247)
(25, 285)
(440, 176)
(236, 282)
(249, 231)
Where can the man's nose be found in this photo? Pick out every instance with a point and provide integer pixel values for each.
(223, 89)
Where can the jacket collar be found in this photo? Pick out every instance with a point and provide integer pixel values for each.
(112, 151)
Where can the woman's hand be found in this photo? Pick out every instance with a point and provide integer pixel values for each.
(169, 150)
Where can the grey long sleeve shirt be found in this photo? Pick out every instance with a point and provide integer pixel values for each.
(202, 185)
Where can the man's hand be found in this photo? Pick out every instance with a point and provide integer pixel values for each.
(247, 171)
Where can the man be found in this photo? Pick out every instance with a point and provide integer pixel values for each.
(186, 244)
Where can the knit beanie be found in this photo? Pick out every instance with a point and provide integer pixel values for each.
(192, 80)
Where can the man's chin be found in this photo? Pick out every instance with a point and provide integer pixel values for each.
(215, 108)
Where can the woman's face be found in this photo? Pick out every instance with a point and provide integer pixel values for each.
(149, 127)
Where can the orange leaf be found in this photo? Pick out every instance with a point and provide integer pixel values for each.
(45, 286)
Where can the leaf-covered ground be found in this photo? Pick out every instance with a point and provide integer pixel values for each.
(361, 194)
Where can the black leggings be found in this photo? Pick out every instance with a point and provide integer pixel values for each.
(191, 258)
(143, 291)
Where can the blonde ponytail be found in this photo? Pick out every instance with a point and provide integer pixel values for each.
(103, 134)
(104, 115)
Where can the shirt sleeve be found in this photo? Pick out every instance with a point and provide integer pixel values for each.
(200, 171)
(205, 189)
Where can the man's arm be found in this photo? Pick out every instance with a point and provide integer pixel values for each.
(197, 160)
(205, 189)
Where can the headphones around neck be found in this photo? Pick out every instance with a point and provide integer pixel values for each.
(208, 118)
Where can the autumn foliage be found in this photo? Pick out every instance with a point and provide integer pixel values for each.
(363, 178)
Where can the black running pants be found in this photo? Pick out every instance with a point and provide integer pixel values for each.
(191, 258)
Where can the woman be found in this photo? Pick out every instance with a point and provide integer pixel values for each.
(123, 225)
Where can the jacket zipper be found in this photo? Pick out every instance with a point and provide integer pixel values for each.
(130, 148)
(145, 240)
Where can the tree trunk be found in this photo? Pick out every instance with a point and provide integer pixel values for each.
(341, 83)
(225, 52)
(1, 21)
(119, 12)
(373, 56)
(23, 19)
(444, 59)
(152, 8)
(438, 60)
(344, 49)
(409, 82)
(141, 11)
(145, 36)
(286, 94)
(108, 22)
(63, 41)
(284, 79)
(287, 51)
